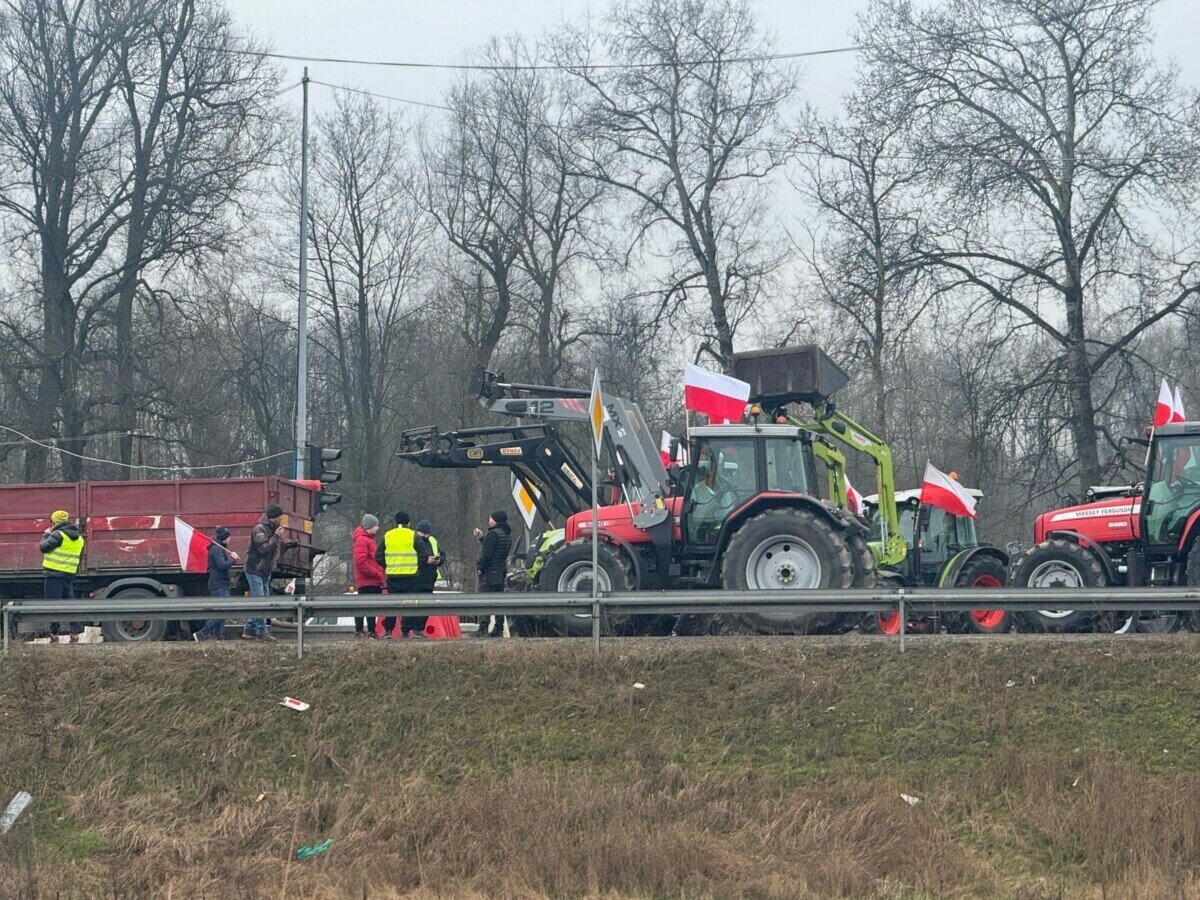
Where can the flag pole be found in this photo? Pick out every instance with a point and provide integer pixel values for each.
(596, 421)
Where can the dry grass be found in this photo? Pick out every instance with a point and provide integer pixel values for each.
(748, 768)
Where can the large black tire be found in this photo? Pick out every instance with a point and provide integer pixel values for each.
(863, 575)
(1061, 564)
(984, 571)
(1191, 575)
(140, 631)
(569, 568)
(784, 548)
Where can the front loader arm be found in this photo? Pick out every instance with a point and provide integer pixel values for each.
(534, 454)
(828, 421)
(835, 467)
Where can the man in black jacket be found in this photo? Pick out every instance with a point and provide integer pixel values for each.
(492, 565)
(220, 561)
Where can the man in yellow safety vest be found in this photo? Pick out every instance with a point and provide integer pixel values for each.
(397, 554)
(62, 547)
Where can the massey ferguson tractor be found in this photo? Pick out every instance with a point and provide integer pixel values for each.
(1143, 535)
(745, 513)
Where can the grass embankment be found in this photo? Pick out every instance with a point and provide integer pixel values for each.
(754, 767)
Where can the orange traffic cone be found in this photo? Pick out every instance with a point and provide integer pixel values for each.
(439, 627)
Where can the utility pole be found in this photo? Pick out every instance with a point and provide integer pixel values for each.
(302, 312)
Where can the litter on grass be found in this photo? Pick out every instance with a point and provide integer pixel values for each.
(639, 686)
(306, 852)
(910, 799)
(16, 806)
(293, 703)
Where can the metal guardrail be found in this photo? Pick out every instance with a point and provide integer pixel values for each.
(870, 600)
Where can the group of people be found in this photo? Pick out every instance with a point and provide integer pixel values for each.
(407, 560)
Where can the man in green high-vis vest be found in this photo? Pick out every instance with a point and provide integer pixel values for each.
(62, 548)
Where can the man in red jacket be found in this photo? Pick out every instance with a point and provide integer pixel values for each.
(368, 574)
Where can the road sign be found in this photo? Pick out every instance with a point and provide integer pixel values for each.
(525, 501)
(596, 414)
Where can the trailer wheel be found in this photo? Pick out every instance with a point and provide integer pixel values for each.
(1057, 564)
(787, 549)
(984, 572)
(134, 631)
(569, 569)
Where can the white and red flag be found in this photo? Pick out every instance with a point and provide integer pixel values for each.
(721, 398)
(1164, 409)
(1177, 413)
(854, 500)
(192, 546)
(940, 490)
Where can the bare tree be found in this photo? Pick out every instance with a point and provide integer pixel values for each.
(194, 98)
(368, 238)
(63, 188)
(1061, 150)
(691, 119)
(868, 259)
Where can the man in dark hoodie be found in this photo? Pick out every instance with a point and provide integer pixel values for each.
(265, 547)
(492, 565)
(61, 546)
(220, 561)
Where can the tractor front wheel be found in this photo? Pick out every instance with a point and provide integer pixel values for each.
(568, 569)
(984, 572)
(1057, 564)
(786, 549)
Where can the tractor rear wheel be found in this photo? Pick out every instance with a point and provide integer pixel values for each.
(1057, 564)
(984, 572)
(1191, 576)
(784, 549)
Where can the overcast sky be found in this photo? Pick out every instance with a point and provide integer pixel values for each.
(444, 30)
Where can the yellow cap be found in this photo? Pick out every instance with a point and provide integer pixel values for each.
(59, 516)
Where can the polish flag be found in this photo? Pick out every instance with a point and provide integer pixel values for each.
(721, 398)
(1164, 410)
(940, 490)
(1177, 413)
(192, 546)
(854, 500)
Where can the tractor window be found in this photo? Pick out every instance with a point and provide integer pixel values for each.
(1173, 488)
(967, 536)
(908, 518)
(787, 468)
(938, 536)
(726, 476)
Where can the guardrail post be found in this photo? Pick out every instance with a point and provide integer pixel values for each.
(300, 628)
(596, 626)
(7, 625)
(903, 620)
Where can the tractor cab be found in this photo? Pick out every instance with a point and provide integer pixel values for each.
(933, 536)
(1171, 498)
(731, 466)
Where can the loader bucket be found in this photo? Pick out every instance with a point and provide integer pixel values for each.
(803, 374)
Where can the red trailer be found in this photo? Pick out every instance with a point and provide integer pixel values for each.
(129, 528)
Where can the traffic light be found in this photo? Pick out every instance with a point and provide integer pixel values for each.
(319, 459)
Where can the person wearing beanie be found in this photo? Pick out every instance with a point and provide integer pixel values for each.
(61, 547)
(492, 565)
(220, 561)
(265, 546)
(429, 558)
(398, 555)
(368, 574)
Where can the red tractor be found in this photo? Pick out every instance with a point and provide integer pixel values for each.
(1141, 535)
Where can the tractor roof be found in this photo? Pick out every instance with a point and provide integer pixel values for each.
(802, 374)
(915, 494)
(720, 431)
(1177, 428)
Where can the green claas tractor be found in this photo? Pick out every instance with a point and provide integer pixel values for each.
(944, 550)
